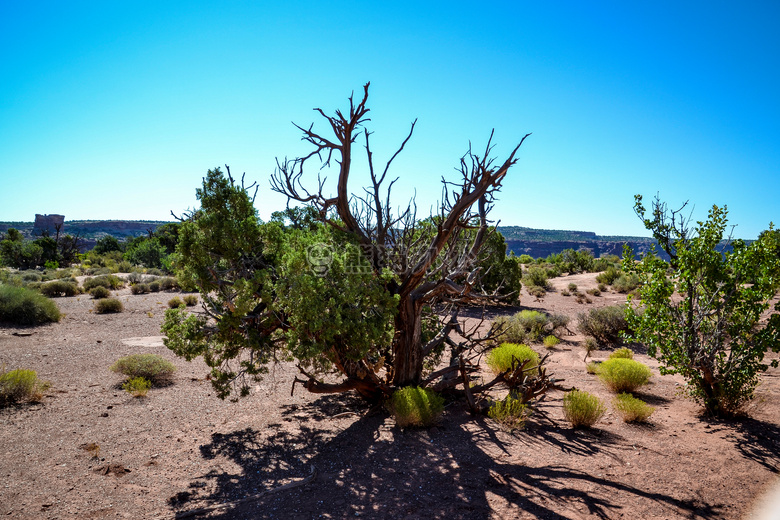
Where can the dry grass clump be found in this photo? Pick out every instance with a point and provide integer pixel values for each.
(631, 408)
(551, 341)
(414, 406)
(20, 385)
(582, 408)
(623, 375)
(510, 413)
(622, 353)
(175, 302)
(137, 386)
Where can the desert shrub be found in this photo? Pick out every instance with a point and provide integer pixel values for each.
(152, 367)
(523, 326)
(582, 409)
(581, 298)
(175, 302)
(622, 352)
(609, 276)
(155, 272)
(500, 358)
(135, 277)
(565, 292)
(604, 324)
(559, 322)
(109, 281)
(99, 292)
(59, 288)
(137, 386)
(623, 375)
(536, 277)
(593, 292)
(592, 367)
(190, 300)
(20, 385)
(108, 306)
(414, 406)
(124, 267)
(31, 277)
(536, 291)
(168, 283)
(551, 341)
(590, 345)
(154, 286)
(22, 306)
(140, 288)
(510, 413)
(525, 259)
(631, 408)
(626, 283)
(572, 287)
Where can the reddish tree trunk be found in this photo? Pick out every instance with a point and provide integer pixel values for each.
(407, 344)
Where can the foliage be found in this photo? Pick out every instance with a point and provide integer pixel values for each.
(140, 288)
(154, 286)
(20, 385)
(551, 341)
(523, 326)
(99, 292)
(510, 413)
(148, 253)
(609, 275)
(109, 281)
(525, 259)
(582, 408)
(592, 367)
(626, 283)
(575, 262)
(631, 408)
(22, 306)
(536, 277)
(590, 345)
(622, 352)
(414, 406)
(500, 359)
(605, 324)
(702, 312)
(559, 322)
(137, 386)
(106, 244)
(623, 375)
(175, 302)
(190, 300)
(108, 306)
(57, 288)
(572, 287)
(593, 292)
(155, 368)
(168, 283)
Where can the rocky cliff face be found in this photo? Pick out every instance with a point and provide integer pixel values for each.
(541, 249)
(48, 224)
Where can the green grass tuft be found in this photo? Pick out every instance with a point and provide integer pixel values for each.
(414, 406)
(624, 375)
(582, 409)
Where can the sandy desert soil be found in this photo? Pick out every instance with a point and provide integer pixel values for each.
(181, 449)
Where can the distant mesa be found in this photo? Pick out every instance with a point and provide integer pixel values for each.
(48, 224)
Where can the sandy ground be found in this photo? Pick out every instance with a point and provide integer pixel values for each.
(181, 449)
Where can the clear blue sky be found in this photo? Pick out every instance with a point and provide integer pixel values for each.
(116, 110)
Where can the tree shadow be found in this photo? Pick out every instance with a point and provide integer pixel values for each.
(757, 440)
(373, 469)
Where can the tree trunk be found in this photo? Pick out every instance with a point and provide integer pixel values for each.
(407, 344)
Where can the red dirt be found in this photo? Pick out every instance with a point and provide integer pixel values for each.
(181, 448)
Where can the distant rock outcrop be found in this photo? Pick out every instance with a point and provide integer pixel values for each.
(48, 224)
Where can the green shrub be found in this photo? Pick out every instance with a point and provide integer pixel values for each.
(20, 385)
(581, 298)
(31, 277)
(582, 409)
(414, 406)
(551, 341)
(622, 352)
(609, 276)
(108, 306)
(175, 302)
(631, 408)
(510, 413)
(59, 288)
(190, 300)
(99, 292)
(109, 281)
(536, 277)
(137, 386)
(527, 326)
(155, 272)
(572, 287)
(525, 259)
(536, 291)
(626, 283)
(135, 277)
(124, 267)
(624, 375)
(604, 324)
(168, 283)
(140, 288)
(22, 306)
(155, 368)
(154, 286)
(593, 292)
(602, 287)
(500, 358)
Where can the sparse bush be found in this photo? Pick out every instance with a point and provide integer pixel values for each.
(510, 413)
(135, 277)
(140, 288)
(581, 298)
(602, 287)
(155, 368)
(20, 385)
(58, 288)
(22, 306)
(590, 345)
(551, 341)
(582, 408)
(609, 276)
(572, 287)
(559, 322)
(99, 292)
(175, 302)
(622, 352)
(109, 281)
(623, 375)
(565, 292)
(593, 292)
(108, 306)
(631, 408)
(626, 283)
(604, 324)
(137, 386)
(592, 367)
(414, 406)
(190, 300)
(500, 358)
(536, 291)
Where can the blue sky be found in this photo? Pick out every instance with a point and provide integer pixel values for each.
(113, 110)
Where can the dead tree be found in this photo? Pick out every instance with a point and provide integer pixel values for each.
(435, 261)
